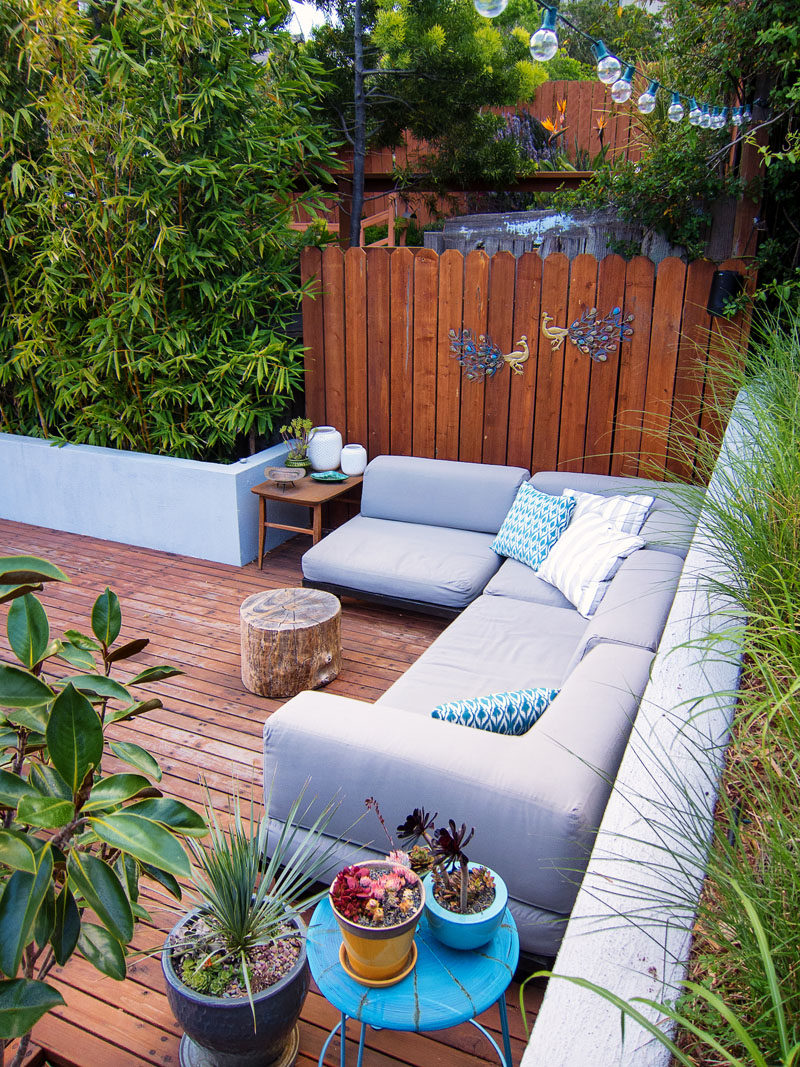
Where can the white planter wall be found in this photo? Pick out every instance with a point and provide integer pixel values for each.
(205, 510)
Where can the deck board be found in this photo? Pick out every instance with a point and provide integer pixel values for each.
(210, 726)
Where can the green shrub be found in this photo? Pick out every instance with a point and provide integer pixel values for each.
(147, 266)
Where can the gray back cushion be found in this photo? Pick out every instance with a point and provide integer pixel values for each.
(439, 492)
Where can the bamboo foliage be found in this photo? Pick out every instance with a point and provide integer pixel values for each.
(145, 176)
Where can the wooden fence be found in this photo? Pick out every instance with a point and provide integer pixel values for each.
(379, 365)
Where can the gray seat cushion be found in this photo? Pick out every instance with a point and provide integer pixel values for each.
(517, 580)
(669, 526)
(496, 645)
(432, 564)
(439, 492)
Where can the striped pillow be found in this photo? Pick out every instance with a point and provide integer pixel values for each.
(500, 713)
(627, 513)
(533, 525)
(584, 558)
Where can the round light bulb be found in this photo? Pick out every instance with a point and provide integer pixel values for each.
(695, 114)
(623, 87)
(675, 111)
(747, 115)
(723, 119)
(705, 120)
(736, 117)
(490, 8)
(647, 101)
(717, 121)
(544, 43)
(609, 67)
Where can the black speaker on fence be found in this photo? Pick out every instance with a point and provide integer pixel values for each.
(725, 286)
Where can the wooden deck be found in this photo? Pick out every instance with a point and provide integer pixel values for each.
(211, 726)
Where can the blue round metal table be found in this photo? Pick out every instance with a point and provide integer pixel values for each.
(445, 988)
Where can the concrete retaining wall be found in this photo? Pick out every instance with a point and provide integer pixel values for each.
(205, 510)
(630, 930)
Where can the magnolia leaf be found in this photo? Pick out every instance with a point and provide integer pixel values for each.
(34, 720)
(154, 674)
(98, 686)
(28, 630)
(46, 918)
(128, 873)
(77, 657)
(8, 737)
(19, 905)
(74, 737)
(67, 926)
(168, 881)
(144, 839)
(132, 710)
(82, 641)
(18, 689)
(174, 814)
(46, 812)
(137, 757)
(131, 648)
(102, 890)
(140, 913)
(11, 592)
(18, 850)
(13, 788)
(114, 789)
(106, 618)
(49, 782)
(18, 570)
(22, 1004)
(102, 950)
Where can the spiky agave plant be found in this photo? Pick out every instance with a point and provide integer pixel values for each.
(251, 886)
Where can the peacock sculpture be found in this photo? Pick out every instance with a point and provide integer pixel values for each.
(481, 358)
(595, 337)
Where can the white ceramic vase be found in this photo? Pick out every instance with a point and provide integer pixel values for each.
(354, 459)
(325, 448)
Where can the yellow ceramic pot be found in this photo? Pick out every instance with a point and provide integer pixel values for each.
(379, 953)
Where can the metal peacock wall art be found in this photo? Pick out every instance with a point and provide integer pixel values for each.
(481, 358)
(595, 337)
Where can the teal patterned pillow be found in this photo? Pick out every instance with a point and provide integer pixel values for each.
(501, 713)
(534, 523)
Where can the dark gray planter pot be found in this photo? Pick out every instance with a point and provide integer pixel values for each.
(218, 1031)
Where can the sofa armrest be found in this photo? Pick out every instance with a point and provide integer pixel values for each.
(535, 801)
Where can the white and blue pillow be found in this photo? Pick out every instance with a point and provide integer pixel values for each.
(500, 713)
(533, 524)
(625, 512)
(586, 558)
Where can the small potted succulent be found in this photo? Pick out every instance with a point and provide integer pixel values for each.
(297, 435)
(464, 902)
(377, 906)
(235, 967)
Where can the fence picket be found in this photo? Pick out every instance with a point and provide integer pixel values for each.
(334, 327)
(402, 363)
(500, 330)
(448, 377)
(476, 300)
(527, 301)
(634, 356)
(426, 294)
(604, 376)
(355, 316)
(661, 368)
(550, 369)
(379, 359)
(313, 334)
(577, 367)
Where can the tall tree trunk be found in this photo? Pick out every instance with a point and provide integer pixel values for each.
(359, 132)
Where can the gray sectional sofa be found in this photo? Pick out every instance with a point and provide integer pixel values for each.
(537, 799)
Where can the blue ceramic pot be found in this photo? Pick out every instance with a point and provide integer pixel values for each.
(218, 1031)
(466, 932)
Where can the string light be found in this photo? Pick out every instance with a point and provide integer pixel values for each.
(647, 101)
(490, 9)
(609, 67)
(544, 43)
(623, 87)
(676, 110)
(611, 72)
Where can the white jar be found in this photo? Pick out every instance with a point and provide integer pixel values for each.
(325, 448)
(354, 459)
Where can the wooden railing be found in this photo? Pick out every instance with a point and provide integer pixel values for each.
(379, 365)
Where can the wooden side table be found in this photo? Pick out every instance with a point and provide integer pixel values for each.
(307, 494)
(446, 987)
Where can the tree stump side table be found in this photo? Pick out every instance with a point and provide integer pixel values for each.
(291, 640)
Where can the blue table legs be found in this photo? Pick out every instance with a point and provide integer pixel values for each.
(504, 1057)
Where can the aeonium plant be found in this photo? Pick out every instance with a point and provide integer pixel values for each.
(455, 886)
(297, 434)
(372, 896)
